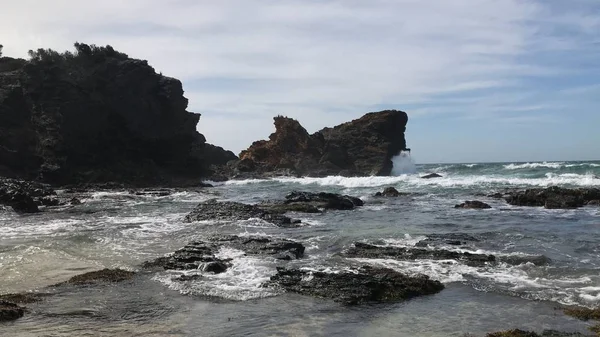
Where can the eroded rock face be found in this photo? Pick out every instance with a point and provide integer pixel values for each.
(25, 196)
(232, 211)
(95, 116)
(554, 197)
(368, 251)
(363, 146)
(202, 254)
(474, 204)
(364, 285)
(10, 311)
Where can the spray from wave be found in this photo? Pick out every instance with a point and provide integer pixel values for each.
(403, 164)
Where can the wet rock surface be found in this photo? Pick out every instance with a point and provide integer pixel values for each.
(390, 192)
(523, 333)
(473, 204)
(323, 200)
(368, 251)
(100, 276)
(10, 311)
(202, 255)
(364, 285)
(26, 196)
(235, 211)
(452, 239)
(553, 197)
(431, 176)
(23, 298)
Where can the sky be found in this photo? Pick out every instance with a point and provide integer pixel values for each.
(481, 80)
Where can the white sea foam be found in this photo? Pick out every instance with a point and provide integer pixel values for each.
(242, 281)
(552, 165)
(403, 164)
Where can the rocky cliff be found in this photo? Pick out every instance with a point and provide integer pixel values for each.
(97, 115)
(364, 146)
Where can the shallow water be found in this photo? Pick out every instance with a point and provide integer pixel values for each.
(118, 229)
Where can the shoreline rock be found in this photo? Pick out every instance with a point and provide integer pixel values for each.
(10, 311)
(364, 285)
(473, 204)
(389, 192)
(553, 197)
(432, 176)
(100, 276)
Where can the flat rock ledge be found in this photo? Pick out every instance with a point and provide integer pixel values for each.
(364, 285)
(236, 211)
(202, 255)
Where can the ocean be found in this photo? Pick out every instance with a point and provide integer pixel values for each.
(119, 229)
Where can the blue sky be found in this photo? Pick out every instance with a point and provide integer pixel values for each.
(481, 80)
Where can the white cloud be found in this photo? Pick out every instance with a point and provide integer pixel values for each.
(322, 62)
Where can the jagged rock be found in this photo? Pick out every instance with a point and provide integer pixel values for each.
(431, 176)
(235, 211)
(365, 250)
(474, 204)
(554, 197)
(10, 311)
(100, 276)
(97, 115)
(364, 146)
(323, 200)
(388, 192)
(25, 196)
(364, 285)
(202, 254)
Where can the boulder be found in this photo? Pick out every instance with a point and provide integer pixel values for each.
(10, 311)
(431, 176)
(473, 205)
(388, 192)
(364, 285)
(235, 211)
(361, 147)
(323, 200)
(97, 115)
(26, 196)
(202, 254)
(553, 197)
(368, 251)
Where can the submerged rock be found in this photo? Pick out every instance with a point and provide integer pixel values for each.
(202, 254)
(235, 211)
(553, 197)
(23, 298)
(431, 176)
(452, 239)
(10, 311)
(364, 147)
(101, 276)
(389, 192)
(364, 285)
(474, 204)
(368, 251)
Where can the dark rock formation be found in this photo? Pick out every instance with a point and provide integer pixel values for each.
(474, 204)
(554, 197)
(389, 192)
(584, 314)
(523, 333)
(25, 196)
(364, 146)
(323, 200)
(431, 176)
(235, 211)
(10, 311)
(23, 298)
(97, 115)
(365, 250)
(201, 254)
(594, 202)
(452, 239)
(100, 276)
(365, 285)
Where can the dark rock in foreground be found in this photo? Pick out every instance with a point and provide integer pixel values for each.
(201, 254)
(368, 251)
(361, 147)
(364, 285)
(474, 204)
(389, 192)
(523, 333)
(554, 197)
(431, 176)
(10, 311)
(235, 211)
(23, 298)
(97, 115)
(100, 276)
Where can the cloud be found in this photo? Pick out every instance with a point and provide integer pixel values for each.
(324, 62)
